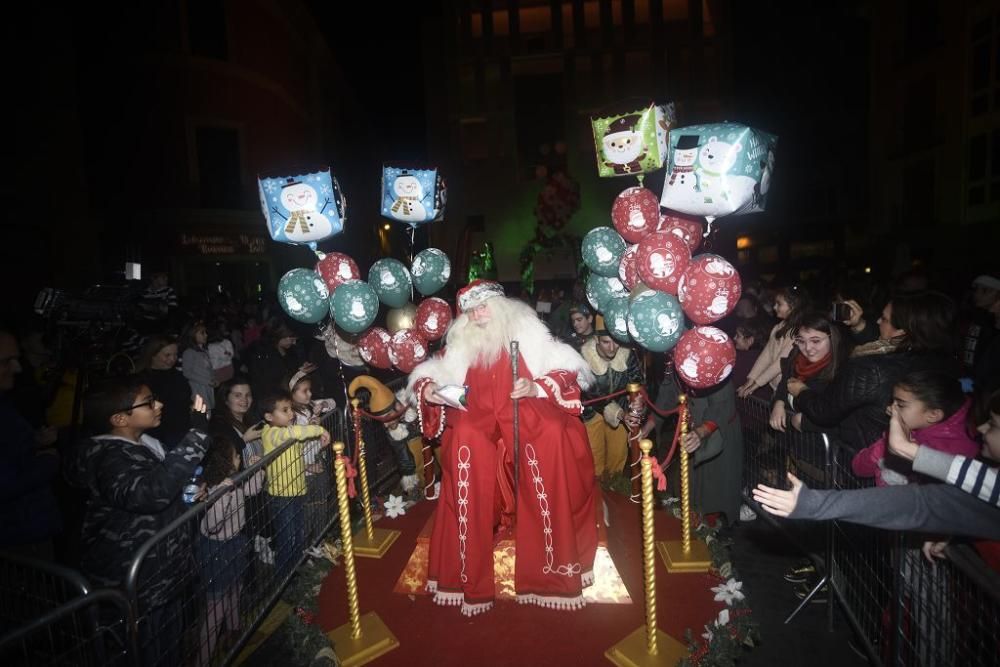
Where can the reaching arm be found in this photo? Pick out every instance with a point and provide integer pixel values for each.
(154, 488)
(932, 508)
(972, 476)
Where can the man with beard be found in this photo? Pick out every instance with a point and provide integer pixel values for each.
(555, 528)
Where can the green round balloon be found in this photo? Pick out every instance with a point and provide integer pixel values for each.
(303, 295)
(616, 318)
(431, 270)
(391, 282)
(602, 250)
(354, 306)
(600, 289)
(655, 320)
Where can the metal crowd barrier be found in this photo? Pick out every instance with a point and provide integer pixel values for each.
(197, 590)
(30, 588)
(92, 629)
(903, 609)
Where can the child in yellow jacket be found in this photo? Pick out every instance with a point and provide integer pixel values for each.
(286, 481)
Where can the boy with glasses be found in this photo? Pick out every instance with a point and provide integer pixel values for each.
(135, 490)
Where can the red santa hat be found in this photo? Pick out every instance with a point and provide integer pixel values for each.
(476, 292)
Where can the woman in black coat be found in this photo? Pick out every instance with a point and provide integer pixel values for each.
(914, 334)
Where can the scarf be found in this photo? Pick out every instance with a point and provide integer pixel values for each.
(877, 346)
(297, 218)
(806, 370)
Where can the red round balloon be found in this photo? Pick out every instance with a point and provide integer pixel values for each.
(373, 347)
(709, 289)
(336, 269)
(661, 260)
(686, 227)
(627, 270)
(407, 349)
(635, 213)
(433, 318)
(704, 357)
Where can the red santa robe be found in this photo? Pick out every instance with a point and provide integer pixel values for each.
(555, 528)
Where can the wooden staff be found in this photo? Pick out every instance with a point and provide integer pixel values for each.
(517, 430)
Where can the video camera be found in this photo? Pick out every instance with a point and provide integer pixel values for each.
(108, 304)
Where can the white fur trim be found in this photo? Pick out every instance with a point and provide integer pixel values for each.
(541, 352)
(475, 609)
(556, 394)
(553, 601)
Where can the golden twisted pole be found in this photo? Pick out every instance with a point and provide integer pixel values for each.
(363, 471)
(685, 481)
(647, 645)
(633, 389)
(648, 555)
(347, 538)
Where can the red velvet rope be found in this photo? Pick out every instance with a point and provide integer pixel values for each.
(351, 473)
(661, 479)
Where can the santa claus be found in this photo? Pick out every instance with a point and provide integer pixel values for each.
(554, 525)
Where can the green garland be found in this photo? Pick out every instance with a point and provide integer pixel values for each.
(726, 642)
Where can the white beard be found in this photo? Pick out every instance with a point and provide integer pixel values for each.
(469, 345)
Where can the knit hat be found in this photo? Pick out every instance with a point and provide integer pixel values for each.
(477, 292)
(382, 400)
(987, 281)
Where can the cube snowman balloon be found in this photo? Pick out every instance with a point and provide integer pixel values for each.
(303, 209)
(632, 143)
(413, 196)
(718, 169)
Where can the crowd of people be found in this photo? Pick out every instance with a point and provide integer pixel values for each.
(903, 380)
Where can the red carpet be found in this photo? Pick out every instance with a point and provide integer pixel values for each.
(513, 634)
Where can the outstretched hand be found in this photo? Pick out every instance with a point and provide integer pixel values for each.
(778, 501)
(524, 388)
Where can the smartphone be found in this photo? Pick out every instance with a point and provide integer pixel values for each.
(841, 312)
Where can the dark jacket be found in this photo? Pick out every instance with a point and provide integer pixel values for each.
(28, 509)
(133, 495)
(716, 466)
(610, 376)
(852, 407)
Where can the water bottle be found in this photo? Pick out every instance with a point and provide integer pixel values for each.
(192, 488)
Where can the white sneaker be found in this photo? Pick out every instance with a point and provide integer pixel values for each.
(747, 514)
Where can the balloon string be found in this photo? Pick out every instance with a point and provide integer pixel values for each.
(413, 242)
(340, 364)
